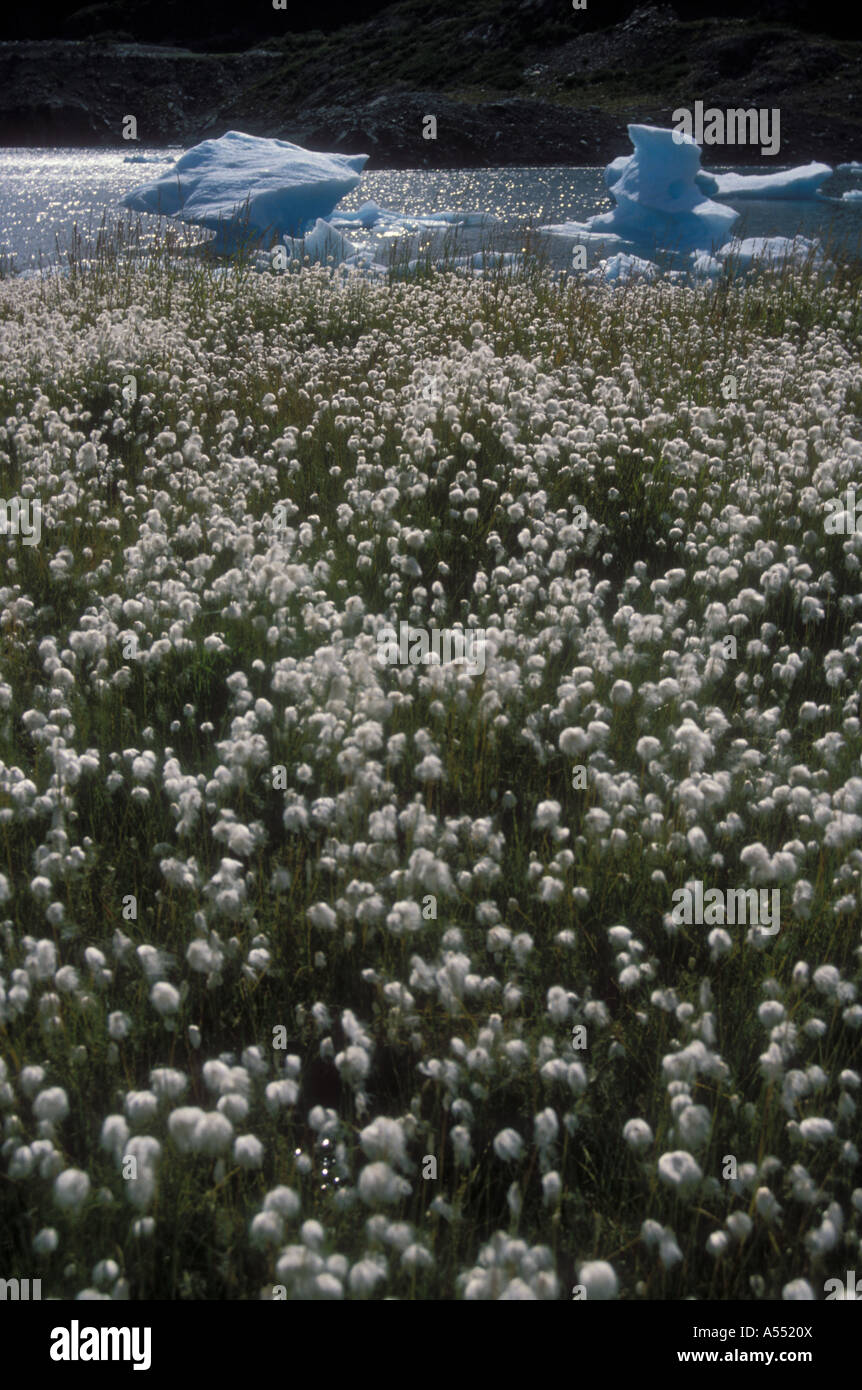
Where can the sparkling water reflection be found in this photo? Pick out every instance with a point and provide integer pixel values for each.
(44, 192)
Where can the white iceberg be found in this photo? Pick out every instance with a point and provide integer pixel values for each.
(772, 251)
(854, 167)
(797, 250)
(705, 264)
(368, 216)
(373, 217)
(580, 231)
(853, 195)
(657, 198)
(245, 186)
(255, 190)
(323, 243)
(619, 269)
(615, 170)
(803, 182)
(664, 199)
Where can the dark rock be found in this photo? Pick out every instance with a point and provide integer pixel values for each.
(584, 89)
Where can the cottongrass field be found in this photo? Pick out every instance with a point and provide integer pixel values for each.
(287, 931)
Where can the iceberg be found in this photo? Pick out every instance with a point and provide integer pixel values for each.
(704, 264)
(768, 251)
(853, 195)
(245, 186)
(254, 190)
(372, 216)
(368, 216)
(615, 170)
(619, 269)
(657, 197)
(664, 199)
(798, 250)
(580, 231)
(803, 182)
(324, 242)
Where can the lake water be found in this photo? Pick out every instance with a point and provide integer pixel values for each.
(44, 191)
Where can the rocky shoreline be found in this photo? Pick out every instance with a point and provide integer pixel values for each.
(570, 107)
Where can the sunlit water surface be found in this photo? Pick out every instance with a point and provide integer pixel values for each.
(45, 192)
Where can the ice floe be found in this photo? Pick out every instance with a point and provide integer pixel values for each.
(665, 199)
(285, 198)
(657, 198)
(245, 186)
(621, 268)
(798, 250)
(801, 183)
(323, 243)
(373, 217)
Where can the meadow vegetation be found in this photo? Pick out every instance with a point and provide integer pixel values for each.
(281, 924)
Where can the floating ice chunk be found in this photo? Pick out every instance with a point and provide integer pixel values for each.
(797, 250)
(372, 216)
(802, 182)
(663, 197)
(657, 198)
(853, 195)
(621, 268)
(579, 231)
(243, 185)
(704, 264)
(615, 170)
(320, 244)
(854, 167)
(367, 216)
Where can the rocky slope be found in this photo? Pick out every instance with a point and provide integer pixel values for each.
(516, 84)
